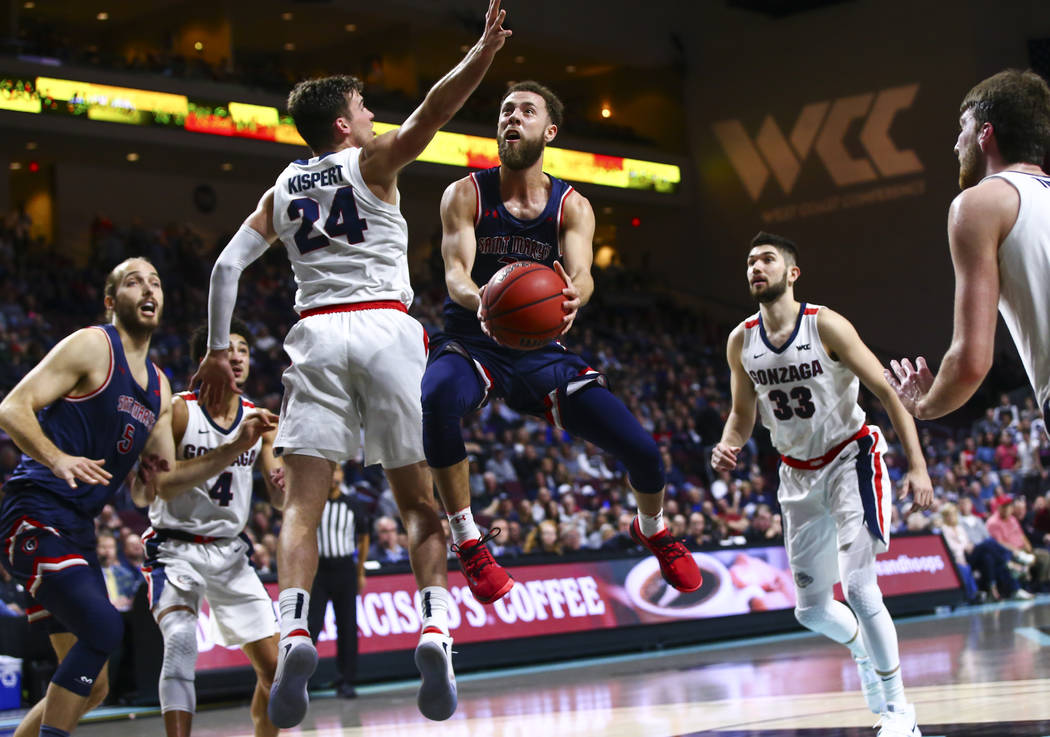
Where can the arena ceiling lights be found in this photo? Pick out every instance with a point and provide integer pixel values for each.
(90, 101)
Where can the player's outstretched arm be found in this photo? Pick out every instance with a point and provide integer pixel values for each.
(78, 365)
(158, 455)
(214, 375)
(187, 474)
(978, 221)
(386, 155)
(577, 247)
(741, 420)
(841, 339)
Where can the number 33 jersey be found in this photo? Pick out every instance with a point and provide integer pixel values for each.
(807, 400)
(220, 506)
(345, 244)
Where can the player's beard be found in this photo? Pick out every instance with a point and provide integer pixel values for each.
(127, 313)
(773, 290)
(970, 166)
(522, 156)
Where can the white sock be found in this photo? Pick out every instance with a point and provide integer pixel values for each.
(651, 525)
(433, 604)
(856, 646)
(294, 605)
(463, 527)
(893, 689)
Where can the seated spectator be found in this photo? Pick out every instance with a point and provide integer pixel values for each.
(765, 527)
(678, 527)
(569, 538)
(13, 598)
(262, 560)
(1005, 528)
(960, 546)
(134, 552)
(543, 539)
(386, 549)
(121, 583)
(1006, 413)
(697, 534)
(621, 539)
(501, 545)
(987, 556)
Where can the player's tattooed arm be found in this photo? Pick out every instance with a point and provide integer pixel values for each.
(840, 339)
(978, 221)
(741, 420)
(78, 365)
(577, 246)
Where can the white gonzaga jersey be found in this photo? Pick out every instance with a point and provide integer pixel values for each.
(1024, 278)
(807, 400)
(345, 244)
(220, 506)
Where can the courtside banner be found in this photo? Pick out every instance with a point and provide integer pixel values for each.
(560, 598)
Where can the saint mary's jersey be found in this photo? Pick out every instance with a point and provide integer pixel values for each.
(1024, 268)
(345, 244)
(220, 506)
(503, 239)
(111, 423)
(807, 400)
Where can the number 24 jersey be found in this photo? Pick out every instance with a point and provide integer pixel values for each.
(807, 400)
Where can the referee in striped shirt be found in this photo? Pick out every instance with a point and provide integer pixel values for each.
(344, 529)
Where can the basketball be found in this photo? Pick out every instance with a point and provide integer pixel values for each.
(523, 305)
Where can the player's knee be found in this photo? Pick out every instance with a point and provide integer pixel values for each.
(863, 596)
(809, 617)
(179, 629)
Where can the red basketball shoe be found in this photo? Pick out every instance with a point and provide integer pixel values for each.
(677, 564)
(486, 578)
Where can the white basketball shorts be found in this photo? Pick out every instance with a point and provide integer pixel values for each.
(354, 371)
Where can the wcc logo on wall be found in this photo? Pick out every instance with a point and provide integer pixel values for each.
(849, 138)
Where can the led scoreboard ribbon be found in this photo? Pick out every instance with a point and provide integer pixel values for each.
(50, 96)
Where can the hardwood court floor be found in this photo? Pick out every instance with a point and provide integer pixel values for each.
(980, 671)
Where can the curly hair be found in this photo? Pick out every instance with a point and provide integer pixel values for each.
(555, 108)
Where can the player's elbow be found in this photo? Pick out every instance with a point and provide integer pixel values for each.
(973, 366)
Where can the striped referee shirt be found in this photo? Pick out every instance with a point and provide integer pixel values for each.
(343, 520)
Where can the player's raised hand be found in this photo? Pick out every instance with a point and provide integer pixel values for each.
(215, 379)
(917, 483)
(72, 469)
(571, 305)
(911, 383)
(495, 35)
(253, 426)
(723, 457)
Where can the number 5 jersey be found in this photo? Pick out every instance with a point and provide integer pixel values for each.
(806, 399)
(219, 507)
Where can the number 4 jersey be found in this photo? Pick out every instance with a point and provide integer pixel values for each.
(220, 506)
(345, 244)
(806, 399)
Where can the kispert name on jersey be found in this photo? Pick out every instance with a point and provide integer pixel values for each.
(807, 399)
(220, 506)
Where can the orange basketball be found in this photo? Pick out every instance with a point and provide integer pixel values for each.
(523, 305)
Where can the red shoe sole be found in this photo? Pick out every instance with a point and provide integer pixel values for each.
(504, 590)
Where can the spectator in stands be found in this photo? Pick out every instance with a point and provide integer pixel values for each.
(543, 539)
(386, 549)
(502, 545)
(1006, 453)
(987, 556)
(500, 465)
(1006, 413)
(765, 527)
(134, 552)
(121, 583)
(1004, 527)
(960, 546)
(12, 596)
(262, 560)
(698, 536)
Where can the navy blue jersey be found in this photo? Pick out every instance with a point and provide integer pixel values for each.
(112, 423)
(503, 239)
